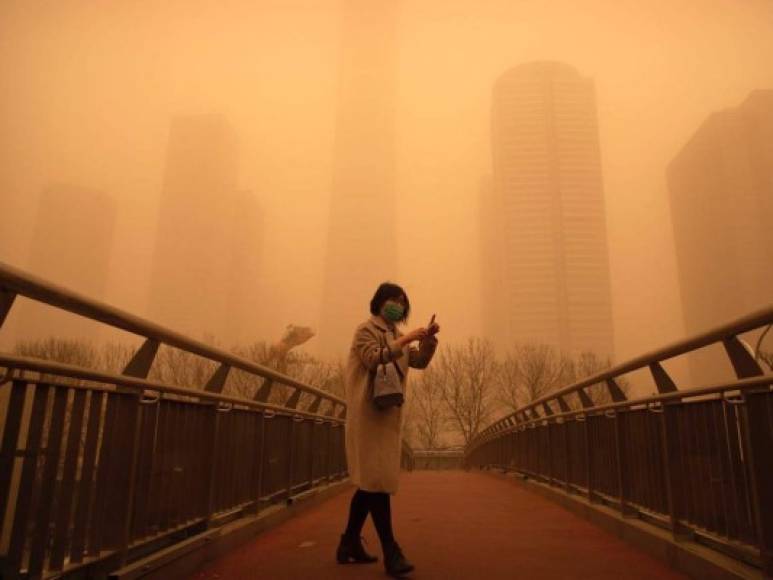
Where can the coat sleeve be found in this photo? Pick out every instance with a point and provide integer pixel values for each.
(419, 358)
(370, 349)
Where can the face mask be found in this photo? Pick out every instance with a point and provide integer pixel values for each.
(393, 312)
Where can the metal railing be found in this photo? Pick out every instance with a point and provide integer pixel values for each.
(436, 459)
(697, 461)
(107, 468)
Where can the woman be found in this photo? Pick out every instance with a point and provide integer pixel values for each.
(374, 436)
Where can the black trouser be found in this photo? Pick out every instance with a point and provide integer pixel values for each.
(377, 503)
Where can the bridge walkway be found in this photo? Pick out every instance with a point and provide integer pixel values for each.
(451, 525)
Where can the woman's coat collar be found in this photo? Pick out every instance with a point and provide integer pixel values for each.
(379, 323)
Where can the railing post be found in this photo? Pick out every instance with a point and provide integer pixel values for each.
(142, 360)
(314, 406)
(311, 451)
(264, 392)
(291, 459)
(218, 379)
(548, 426)
(758, 435)
(261, 461)
(10, 436)
(567, 464)
(588, 457)
(7, 298)
(663, 381)
(132, 480)
(615, 392)
(669, 422)
(212, 461)
(742, 360)
(328, 436)
(622, 475)
(292, 400)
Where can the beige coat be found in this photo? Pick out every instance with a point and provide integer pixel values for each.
(374, 436)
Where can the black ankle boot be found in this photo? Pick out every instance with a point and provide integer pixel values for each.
(352, 549)
(395, 562)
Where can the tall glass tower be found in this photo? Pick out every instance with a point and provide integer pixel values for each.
(549, 259)
(208, 234)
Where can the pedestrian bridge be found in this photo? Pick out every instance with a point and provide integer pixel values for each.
(115, 475)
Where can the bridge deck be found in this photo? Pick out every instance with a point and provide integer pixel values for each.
(451, 524)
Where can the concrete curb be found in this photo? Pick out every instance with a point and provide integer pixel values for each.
(185, 558)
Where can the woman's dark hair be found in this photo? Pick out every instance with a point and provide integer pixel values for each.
(386, 291)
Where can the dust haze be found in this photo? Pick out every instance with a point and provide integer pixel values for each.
(91, 91)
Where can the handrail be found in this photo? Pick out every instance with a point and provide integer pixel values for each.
(25, 284)
(717, 389)
(138, 445)
(727, 331)
(696, 461)
(136, 384)
(130, 443)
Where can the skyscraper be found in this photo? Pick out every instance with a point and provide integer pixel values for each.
(549, 257)
(71, 246)
(361, 244)
(721, 192)
(199, 265)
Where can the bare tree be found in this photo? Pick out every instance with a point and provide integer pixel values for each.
(181, 368)
(336, 382)
(64, 350)
(325, 375)
(587, 364)
(114, 356)
(467, 375)
(530, 371)
(428, 409)
(311, 370)
(80, 353)
(241, 383)
(305, 368)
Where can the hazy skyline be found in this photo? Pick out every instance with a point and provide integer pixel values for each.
(548, 251)
(75, 221)
(361, 238)
(89, 91)
(721, 196)
(195, 271)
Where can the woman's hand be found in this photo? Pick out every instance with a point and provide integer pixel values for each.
(416, 334)
(433, 329)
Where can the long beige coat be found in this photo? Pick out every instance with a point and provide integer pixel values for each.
(374, 436)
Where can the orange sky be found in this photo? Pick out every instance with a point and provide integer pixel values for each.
(89, 88)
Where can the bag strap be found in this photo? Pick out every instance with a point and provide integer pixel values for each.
(382, 335)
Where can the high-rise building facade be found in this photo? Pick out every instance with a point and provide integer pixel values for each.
(203, 244)
(721, 192)
(548, 259)
(361, 244)
(71, 246)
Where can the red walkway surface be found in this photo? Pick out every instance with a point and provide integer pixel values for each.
(450, 524)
